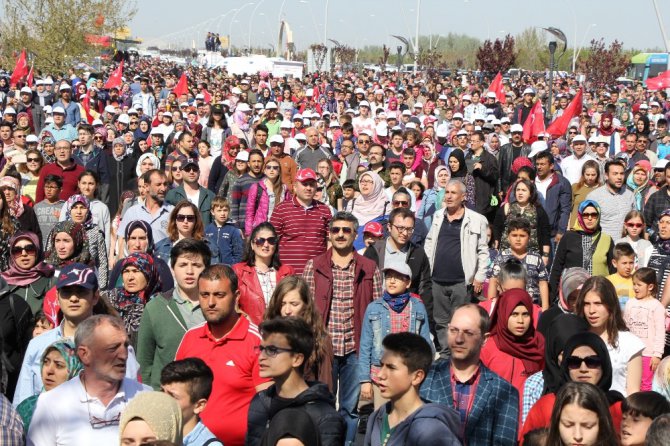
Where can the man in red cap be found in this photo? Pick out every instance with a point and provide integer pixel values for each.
(301, 223)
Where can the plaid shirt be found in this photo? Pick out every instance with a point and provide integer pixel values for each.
(532, 392)
(11, 432)
(341, 323)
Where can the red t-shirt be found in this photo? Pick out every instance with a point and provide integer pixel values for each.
(236, 375)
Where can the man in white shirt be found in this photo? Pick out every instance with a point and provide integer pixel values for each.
(86, 410)
(572, 165)
(364, 121)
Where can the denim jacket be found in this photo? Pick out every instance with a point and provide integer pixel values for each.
(377, 324)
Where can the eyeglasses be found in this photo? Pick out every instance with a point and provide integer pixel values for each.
(51, 187)
(176, 168)
(191, 168)
(134, 122)
(33, 160)
(363, 141)
(592, 362)
(589, 215)
(400, 203)
(572, 133)
(517, 133)
(272, 167)
(31, 250)
(20, 136)
(343, 229)
(270, 350)
(401, 229)
(182, 218)
(260, 241)
(634, 225)
(366, 182)
(453, 331)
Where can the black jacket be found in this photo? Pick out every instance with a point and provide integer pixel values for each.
(486, 181)
(15, 329)
(505, 160)
(122, 177)
(216, 176)
(317, 401)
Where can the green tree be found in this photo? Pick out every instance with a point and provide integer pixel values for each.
(533, 50)
(55, 32)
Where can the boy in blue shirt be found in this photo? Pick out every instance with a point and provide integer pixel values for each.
(224, 235)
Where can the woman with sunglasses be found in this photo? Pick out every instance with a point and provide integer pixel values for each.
(185, 222)
(264, 196)
(260, 271)
(28, 276)
(588, 181)
(585, 246)
(584, 359)
(20, 207)
(30, 172)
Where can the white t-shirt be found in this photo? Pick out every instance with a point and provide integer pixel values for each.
(629, 345)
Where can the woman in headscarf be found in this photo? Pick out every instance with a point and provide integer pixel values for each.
(8, 226)
(514, 350)
(585, 246)
(121, 172)
(59, 363)
(218, 175)
(28, 276)
(146, 162)
(67, 243)
(139, 239)
(139, 282)
(607, 129)
(550, 379)
(78, 210)
(640, 182)
(459, 171)
(584, 359)
(23, 213)
(241, 126)
(143, 129)
(372, 201)
(433, 197)
(47, 146)
(151, 416)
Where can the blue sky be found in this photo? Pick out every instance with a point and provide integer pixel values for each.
(368, 22)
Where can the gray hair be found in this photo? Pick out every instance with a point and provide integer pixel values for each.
(86, 330)
(513, 270)
(344, 216)
(459, 184)
(659, 431)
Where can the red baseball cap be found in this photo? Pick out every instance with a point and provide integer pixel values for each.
(374, 228)
(305, 175)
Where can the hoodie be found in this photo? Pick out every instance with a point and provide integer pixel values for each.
(317, 401)
(430, 425)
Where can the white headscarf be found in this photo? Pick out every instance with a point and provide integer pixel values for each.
(154, 159)
(371, 206)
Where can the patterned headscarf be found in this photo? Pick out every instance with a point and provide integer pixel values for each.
(16, 206)
(69, 353)
(81, 252)
(141, 224)
(74, 199)
(147, 266)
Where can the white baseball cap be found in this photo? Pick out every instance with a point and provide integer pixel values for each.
(516, 128)
(243, 107)
(276, 139)
(55, 110)
(124, 119)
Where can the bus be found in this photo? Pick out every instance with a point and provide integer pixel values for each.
(646, 65)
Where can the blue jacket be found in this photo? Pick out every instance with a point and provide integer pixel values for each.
(72, 113)
(228, 239)
(97, 162)
(558, 204)
(494, 416)
(430, 425)
(377, 324)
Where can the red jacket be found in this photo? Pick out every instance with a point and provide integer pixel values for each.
(252, 301)
(362, 293)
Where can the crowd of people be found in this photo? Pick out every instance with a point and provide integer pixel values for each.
(347, 258)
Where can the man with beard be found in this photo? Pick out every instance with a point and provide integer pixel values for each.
(72, 113)
(614, 198)
(508, 153)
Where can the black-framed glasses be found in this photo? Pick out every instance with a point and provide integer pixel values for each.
(592, 362)
(28, 249)
(260, 241)
(176, 168)
(272, 167)
(33, 160)
(182, 218)
(401, 203)
(401, 229)
(344, 229)
(191, 168)
(271, 351)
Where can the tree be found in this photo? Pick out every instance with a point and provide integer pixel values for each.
(496, 56)
(319, 52)
(57, 33)
(603, 65)
(533, 51)
(383, 60)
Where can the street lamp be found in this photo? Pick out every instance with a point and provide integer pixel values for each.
(399, 60)
(578, 49)
(253, 13)
(552, 51)
(230, 31)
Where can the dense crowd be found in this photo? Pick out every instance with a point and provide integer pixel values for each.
(348, 258)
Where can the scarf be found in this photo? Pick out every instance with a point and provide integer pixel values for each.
(147, 266)
(21, 277)
(561, 329)
(226, 158)
(579, 224)
(69, 353)
(606, 131)
(370, 206)
(598, 345)
(16, 205)
(154, 159)
(47, 138)
(139, 134)
(77, 198)
(143, 225)
(239, 118)
(397, 302)
(160, 411)
(639, 191)
(529, 348)
(81, 252)
(459, 156)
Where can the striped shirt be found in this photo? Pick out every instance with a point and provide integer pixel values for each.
(302, 231)
(613, 208)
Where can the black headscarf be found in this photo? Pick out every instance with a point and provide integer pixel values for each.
(144, 226)
(292, 423)
(462, 169)
(598, 345)
(561, 329)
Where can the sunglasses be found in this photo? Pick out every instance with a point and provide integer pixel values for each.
(33, 160)
(176, 168)
(28, 249)
(400, 203)
(272, 167)
(191, 169)
(592, 362)
(338, 229)
(634, 225)
(182, 218)
(260, 241)
(590, 215)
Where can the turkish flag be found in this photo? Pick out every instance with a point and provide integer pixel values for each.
(181, 87)
(30, 79)
(497, 88)
(208, 97)
(534, 124)
(560, 125)
(20, 69)
(115, 78)
(659, 82)
(86, 103)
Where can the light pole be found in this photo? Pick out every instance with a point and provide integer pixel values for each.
(230, 31)
(325, 34)
(399, 61)
(416, 37)
(552, 51)
(576, 50)
(253, 13)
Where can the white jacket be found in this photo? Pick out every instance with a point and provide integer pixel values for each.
(474, 249)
